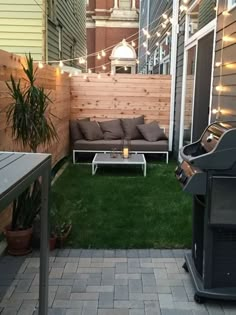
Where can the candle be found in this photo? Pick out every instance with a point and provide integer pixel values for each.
(125, 153)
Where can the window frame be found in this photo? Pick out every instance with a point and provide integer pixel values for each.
(231, 4)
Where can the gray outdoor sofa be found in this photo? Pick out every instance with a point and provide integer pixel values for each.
(107, 136)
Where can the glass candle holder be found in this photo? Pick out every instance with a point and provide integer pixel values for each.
(126, 149)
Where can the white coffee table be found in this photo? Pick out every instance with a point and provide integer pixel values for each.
(106, 159)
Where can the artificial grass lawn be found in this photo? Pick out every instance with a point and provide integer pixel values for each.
(123, 209)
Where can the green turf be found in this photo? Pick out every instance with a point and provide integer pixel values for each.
(122, 209)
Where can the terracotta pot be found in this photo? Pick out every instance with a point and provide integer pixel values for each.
(52, 242)
(19, 242)
(61, 239)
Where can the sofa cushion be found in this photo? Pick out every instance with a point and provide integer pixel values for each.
(130, 127)
(112, 129)
(90, 130)
(75, 132)
(152, 132)
(109, 145)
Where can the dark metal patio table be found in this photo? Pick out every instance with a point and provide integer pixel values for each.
(17, 172)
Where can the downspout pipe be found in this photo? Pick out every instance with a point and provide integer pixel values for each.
(175, 31)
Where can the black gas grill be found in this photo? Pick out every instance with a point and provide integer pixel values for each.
(208, 172)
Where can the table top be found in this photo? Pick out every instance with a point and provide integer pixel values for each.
(14, 167)
(105, 158)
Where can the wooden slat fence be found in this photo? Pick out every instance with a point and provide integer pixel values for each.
(121, 96)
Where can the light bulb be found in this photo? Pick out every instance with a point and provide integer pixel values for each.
(145, 44)
(185, 1)
(137, 61)
(89, 71)
(133, 43)
(70, 75)
(125, 68)
(62, 71)
(61, 64)
(218, 64)
(98, 56)
(144, 31)
(104, 67)
(168, 33)
(103, 53)
(228, 39)
(220, 88)
(183, 8)
(157, 44)
(165, 16)
(124, 43)
(171, 20)
(148, 52)
(148, 35)
(225, 13)
(40, 65)
(163, 25)
(158, 34)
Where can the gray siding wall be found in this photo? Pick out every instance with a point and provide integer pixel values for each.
(206, 12)
(71, 15)
(226, 74)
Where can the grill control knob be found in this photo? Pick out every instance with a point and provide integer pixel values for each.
(210, 137)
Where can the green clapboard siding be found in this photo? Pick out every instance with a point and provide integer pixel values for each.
(21, 27)
(71, 16)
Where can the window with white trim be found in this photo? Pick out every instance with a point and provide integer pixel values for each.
(165, 56)
(231, 4)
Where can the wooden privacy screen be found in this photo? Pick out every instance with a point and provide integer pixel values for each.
(121, 95)
(59, 87)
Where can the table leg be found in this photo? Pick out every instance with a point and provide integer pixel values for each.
(44, 245)
(144, 170)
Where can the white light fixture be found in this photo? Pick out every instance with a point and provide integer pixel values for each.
(40, 65)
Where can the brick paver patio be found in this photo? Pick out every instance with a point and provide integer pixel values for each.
(104, 282)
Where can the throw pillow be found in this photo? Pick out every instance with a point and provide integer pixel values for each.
(112, 129)
(75, 132)
(152, 132)
(90, 130)
(130, 127)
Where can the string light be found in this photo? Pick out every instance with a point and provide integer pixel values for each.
(133, 43)
(225, 13)
(99, 56)
(148, 52)
(104, 67)
(183, 8)
(215, 8)
(89, 71)
(61, 64)
(124, 42)
(81, 60)
(168, 33)
(220, 88)
(185, 1)
(40, 65)
(103, 53)
(137, 61)
(165, 16)
(125, 68)
(157, 44)
(163, 25)
(62, 71)
(171, 20)
(158, 34)
(218, 64)
(145, 44)
(144, 31)
(70, 74)
(215, 111)
(148, 35)
(228, 39)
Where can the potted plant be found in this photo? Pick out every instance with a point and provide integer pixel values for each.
(29, 117)
(63, 212)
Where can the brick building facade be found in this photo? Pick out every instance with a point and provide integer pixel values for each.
(108, 22)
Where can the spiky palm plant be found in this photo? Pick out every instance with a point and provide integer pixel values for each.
(29, 117)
